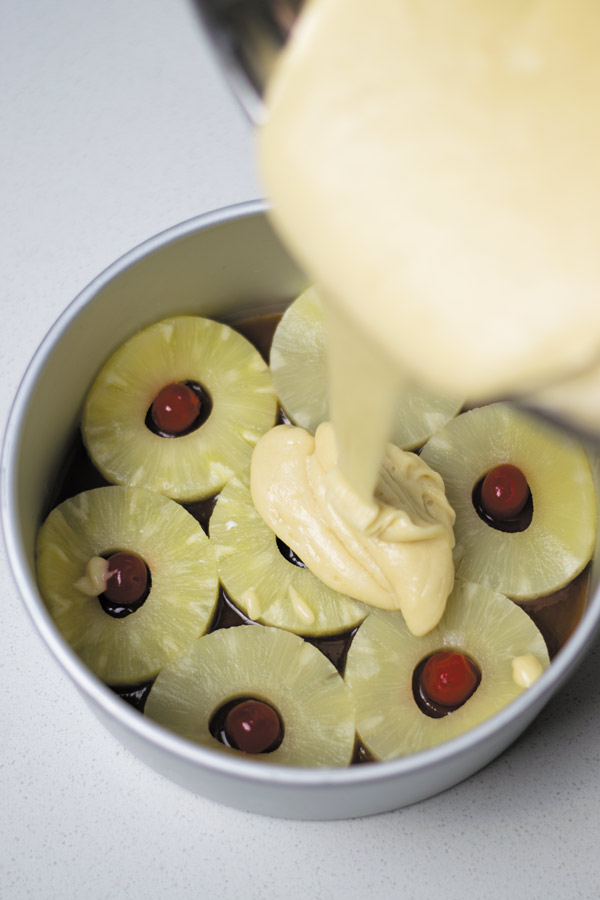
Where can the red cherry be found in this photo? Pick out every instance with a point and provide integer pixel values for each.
(252, 726)
(127, 579)
(449, 678)
(504, 492)
(175, 408)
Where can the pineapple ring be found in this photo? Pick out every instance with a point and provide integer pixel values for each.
(478, 622)
(191, 466)
(299, 370)
(183, 593)
(268, 664)
(261, 582)
(559, 541)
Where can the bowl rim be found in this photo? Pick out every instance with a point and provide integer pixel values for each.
(131, 719)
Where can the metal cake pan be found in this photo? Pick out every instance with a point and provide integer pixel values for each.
(226, 263)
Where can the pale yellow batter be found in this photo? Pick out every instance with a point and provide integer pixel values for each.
(394, 551)
(526, 670)
(435, 169)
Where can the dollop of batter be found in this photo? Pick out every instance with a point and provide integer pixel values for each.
(526, 670)
(394, 551)
(94, 582)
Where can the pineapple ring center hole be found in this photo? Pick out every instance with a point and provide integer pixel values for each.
(247, 724)
(443, 682)
(289, 555)
(129, 585)
(511, 521)
(178, 409)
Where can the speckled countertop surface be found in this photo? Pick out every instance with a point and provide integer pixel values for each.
(115, 125)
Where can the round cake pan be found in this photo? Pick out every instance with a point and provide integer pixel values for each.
(225, 264)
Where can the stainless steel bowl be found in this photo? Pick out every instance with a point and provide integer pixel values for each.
(225, 263)
(247, 36)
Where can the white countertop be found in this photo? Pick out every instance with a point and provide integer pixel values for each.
(117, 124)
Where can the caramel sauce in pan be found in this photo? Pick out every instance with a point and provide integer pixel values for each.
(260, 331)
(556, 614)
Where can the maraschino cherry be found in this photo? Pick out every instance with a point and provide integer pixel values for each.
(252, 726)
(449, 678)
(504, 492)
(127, 579)
(175, 408)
